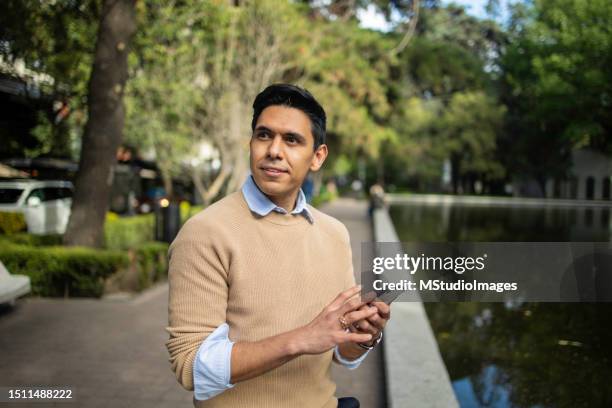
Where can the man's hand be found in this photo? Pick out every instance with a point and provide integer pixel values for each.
(375, 323)
(250, 359)
(326, 331)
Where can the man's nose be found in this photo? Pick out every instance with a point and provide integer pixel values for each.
(275, 148)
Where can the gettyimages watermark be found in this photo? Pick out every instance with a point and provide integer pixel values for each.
(488, 271)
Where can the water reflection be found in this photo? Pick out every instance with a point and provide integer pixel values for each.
(518, 355)
(448, 223)
(536, 354)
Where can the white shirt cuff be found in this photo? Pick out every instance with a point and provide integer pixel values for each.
(212, 365)
(350, 364)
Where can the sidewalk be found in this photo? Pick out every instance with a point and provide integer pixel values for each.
(112, 353)
(366, 383)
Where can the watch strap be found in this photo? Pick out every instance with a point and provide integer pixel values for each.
(366, 347)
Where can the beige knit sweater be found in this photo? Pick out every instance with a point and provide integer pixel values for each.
(263, 276)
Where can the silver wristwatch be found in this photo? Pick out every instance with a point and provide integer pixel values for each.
(378, 339)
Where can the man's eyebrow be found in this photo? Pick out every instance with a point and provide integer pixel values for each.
(296, 135)
(262, 128)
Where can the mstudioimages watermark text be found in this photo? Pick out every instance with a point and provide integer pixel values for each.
(413, 264)
(438, 284)
(489, 271)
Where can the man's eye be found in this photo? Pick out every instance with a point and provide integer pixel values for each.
(263, 135)
(291, 139)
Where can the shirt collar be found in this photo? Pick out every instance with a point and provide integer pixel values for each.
(260, 204)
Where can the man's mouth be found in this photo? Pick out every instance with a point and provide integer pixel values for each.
(273, 171)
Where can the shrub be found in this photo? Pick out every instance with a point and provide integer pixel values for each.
(131, 256)
(61, 271)
(185, 210)
(128, 232)
(323, 197)
(24, 238)
(188, 210)
(12, 222)
(152, 263)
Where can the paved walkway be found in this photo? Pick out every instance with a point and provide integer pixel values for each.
(112, 351)
(367, 382)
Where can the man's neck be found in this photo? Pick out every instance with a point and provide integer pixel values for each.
(286, 202)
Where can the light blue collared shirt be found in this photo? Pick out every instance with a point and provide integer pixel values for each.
(261, 205)
(212, 363)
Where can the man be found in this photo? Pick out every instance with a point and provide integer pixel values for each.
(262, 294)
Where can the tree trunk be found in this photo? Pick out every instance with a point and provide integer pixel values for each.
(196, 178)
(410, 30)
(103, 132)
(209, 194)
(240, 171)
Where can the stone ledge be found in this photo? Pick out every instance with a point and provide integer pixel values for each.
(415, 372)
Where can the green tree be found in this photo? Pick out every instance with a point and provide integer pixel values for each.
(163, 90)
(104, 128)
(199, 66)
(56, 40)
(348, 74)
(443, 100)
(557, 77)
(469, 129)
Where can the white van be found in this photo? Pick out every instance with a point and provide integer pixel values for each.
(44, 203)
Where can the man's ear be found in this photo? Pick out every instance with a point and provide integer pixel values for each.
(319, 157)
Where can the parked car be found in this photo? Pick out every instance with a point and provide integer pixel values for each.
(44, 203)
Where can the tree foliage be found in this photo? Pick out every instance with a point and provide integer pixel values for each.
(500, 101)
(55, 39)
(557, 80)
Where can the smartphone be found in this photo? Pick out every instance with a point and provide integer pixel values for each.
(387, 296)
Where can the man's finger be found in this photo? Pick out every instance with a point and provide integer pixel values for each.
(376, 321)
(357, 337)
(366, 327)
(358, 315)
(383, 309)
(344, 296)
(352, 305)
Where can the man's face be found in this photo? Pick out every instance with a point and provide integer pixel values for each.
(282, 151)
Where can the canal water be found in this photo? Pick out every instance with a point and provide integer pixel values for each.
(519, 355)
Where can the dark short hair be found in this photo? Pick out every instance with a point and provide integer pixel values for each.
(295, 97)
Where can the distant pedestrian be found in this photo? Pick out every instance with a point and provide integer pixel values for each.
(377, 198)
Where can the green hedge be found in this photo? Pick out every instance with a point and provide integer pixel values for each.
(131, 232)
(81, 272)
(12, 222)
(152, 263)
(188, 210)
(119, 233)
(24, 238)
(323, 197)
(128, 232)
(60, 271)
